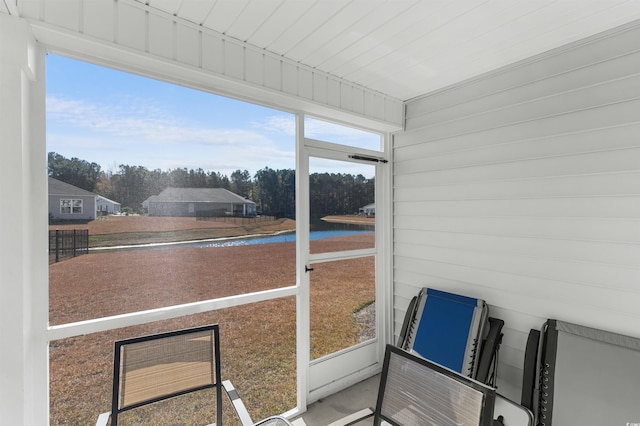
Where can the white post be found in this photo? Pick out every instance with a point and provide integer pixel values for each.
(23, 264)
(302, 255)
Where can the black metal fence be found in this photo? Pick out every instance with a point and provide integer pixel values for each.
(243, 220)
(67, 243)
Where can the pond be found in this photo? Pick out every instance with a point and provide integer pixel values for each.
(289, 237)
(319, 231)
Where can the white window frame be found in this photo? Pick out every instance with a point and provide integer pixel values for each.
(71, 206)
(41, 333)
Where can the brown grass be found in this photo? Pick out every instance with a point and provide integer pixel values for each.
(258, 340)
(353, 219)
(122, 230)
(131, 224)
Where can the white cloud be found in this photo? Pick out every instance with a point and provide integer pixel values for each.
(136, 133)
(321, 130)
(142, 122)
(285, 124)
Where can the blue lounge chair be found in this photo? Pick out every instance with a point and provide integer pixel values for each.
(454, 331)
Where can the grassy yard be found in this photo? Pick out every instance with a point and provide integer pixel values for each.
(258, 341)
(111, 231)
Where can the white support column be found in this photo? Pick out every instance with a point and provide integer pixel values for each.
(23, 224)
(302, 255)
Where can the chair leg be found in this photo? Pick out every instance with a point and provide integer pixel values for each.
(239, 406)
(103, 419)
(353, 418)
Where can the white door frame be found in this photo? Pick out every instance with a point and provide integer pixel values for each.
(322, 377)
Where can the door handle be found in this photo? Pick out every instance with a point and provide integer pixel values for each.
(307, 269)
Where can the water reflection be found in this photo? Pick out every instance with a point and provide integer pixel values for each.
(319, 231)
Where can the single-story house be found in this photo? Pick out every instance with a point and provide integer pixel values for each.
(107, 206)
(145, 203)
(68, 202)
(194, 201)
(368, 210)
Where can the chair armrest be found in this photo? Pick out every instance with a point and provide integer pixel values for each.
(511, 412)
(529, 372)
(103, 419)
(239, 406)
(409, 317)
(353, 418)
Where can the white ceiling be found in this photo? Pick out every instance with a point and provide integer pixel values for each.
(402, 48)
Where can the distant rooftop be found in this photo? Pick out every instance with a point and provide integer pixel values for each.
(196, 195)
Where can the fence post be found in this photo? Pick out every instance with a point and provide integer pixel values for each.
(57, 245)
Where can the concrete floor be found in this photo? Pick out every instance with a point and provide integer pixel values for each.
(355, 398)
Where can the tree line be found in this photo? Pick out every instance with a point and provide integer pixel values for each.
(273, 191)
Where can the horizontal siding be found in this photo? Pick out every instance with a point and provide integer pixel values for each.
(585, 229)
(458, 150)
(585, 98)
(522, 187)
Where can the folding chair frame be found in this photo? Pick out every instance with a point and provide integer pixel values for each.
(218, 383)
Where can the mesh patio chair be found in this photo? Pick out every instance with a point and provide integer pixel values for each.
(414, 391)
(157, 367)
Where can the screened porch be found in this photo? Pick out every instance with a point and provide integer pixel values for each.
(504, 165)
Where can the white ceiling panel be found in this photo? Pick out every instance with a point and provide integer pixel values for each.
(297, 33)
(278, 22)
(418, 24)
(194, 10)
(434, 50)
(224, 13)
(537, 32)
(9, 6)
(252, 18)
(341, 45)
(331, 30)
(401, 48)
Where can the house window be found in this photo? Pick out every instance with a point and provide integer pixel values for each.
(70, 206)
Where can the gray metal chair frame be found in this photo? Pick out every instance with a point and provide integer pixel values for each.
(574, 374)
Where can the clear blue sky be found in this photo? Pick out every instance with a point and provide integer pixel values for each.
(110, 117)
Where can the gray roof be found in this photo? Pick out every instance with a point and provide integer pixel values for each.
(100, 197)
(199, 195)
(57, 187)
(152, 198)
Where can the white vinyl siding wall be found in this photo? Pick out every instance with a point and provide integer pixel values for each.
(522, 187)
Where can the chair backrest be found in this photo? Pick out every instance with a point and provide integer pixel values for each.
(446, 328)
(587, 376)
(153, 368)
(415, 391)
